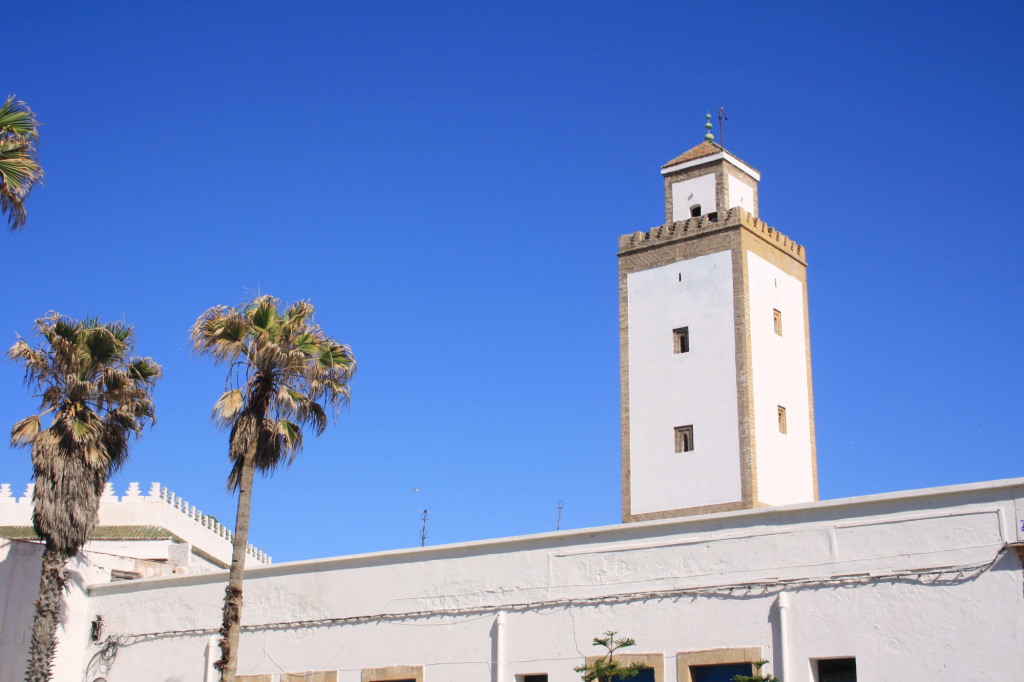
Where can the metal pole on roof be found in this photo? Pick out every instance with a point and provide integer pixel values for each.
(721, 128)
(423, 533)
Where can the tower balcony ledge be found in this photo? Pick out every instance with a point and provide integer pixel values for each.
(699, 227)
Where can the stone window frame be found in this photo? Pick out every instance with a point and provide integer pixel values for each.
(782, 420)
(391, 673)
(777, 321)
(310, 676)
(654, 661)
(724, 656)
(681, 340)
(683, 438)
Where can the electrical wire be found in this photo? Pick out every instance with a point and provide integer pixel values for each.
(946, 575)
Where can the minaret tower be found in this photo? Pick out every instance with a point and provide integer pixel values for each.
(717, 409)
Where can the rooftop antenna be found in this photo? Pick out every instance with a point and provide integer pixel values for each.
(561, 506)
(721, 128)
(423, 533)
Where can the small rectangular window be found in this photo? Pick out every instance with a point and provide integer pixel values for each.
(681, 340)
(720, 671)
(539, 677)
(837, 670)
(684, 438)
(782, 419)
(778, 322)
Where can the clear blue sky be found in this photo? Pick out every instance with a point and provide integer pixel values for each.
(446, 182)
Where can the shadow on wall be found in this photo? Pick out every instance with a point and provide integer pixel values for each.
(20, 565)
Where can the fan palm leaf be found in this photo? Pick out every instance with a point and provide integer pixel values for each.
(19, 163)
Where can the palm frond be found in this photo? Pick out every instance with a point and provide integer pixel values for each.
(19, 163)
(24, 432)
(262, 315)
(19, 169)
(220, 333)
(18, 120)
(227, 407)
(290, 436)
(311, 412)
(98, 346)
(144, 369)
(335, 355)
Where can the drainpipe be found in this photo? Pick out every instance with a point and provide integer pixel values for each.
(212, 654)
(782, 655)
(499, 647)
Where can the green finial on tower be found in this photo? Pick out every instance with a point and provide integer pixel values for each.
(709, 137)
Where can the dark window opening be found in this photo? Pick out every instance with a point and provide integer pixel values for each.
(533, 678)
(713, 217)
(684, 438)
(681, 340)
(719, 673)
(837, 670)
(695, 211)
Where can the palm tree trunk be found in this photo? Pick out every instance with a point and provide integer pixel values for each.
(230, 628)
(44, 626)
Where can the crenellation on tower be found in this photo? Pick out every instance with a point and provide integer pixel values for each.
(697, 227)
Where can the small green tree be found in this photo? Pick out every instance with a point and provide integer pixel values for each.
(606, 668)
(757, 676)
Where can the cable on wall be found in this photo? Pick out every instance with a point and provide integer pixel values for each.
(944, 575)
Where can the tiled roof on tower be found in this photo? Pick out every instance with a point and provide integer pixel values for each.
(705, 148)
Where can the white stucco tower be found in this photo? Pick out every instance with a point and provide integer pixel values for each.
(717, 408)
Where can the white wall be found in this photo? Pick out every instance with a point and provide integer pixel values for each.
(159, 508)
(740, 194)
(667, 390)
(779, 375)
(852, 569)
(699, 190)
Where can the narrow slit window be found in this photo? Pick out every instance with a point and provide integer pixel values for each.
(681, 340)
(695, 211)
(684, 438)
(782, 419)
(778, 322)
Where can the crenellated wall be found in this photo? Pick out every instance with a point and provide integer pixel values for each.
(159, 507)
(703, 225)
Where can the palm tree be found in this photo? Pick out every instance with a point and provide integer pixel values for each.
(285, 370)
(19, 165)
(100, 397)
